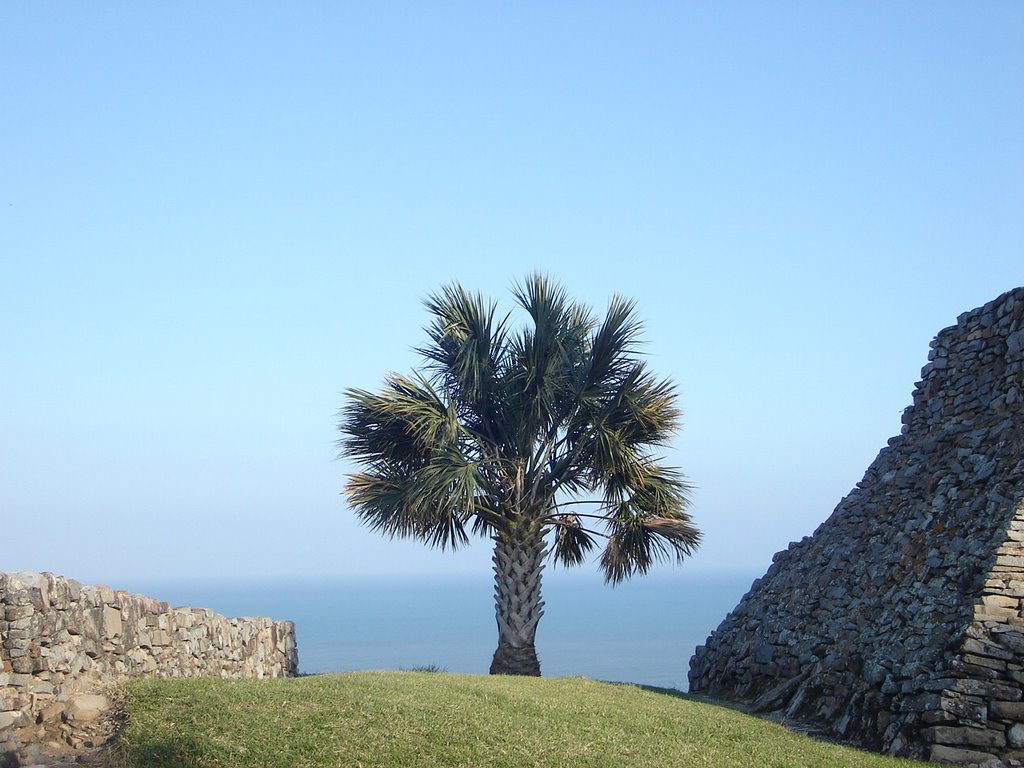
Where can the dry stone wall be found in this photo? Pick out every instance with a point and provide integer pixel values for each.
(62, 643)
(898, 624)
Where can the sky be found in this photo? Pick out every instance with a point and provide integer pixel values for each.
(217, 217)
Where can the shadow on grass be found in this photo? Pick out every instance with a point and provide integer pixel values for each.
(807, 728)
(178, 752)
(675, 693)
(732, 706)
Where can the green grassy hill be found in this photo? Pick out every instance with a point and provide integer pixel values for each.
(391, 719)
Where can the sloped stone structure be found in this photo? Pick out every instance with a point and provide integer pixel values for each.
(898, 624)
(62, 644)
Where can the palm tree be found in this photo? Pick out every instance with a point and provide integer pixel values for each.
(539, 438)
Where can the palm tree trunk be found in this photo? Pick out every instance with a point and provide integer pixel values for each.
(518, 607)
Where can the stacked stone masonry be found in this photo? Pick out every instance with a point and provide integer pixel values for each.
(898, 625)
(63, 644)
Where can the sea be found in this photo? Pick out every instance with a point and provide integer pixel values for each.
(643, 631)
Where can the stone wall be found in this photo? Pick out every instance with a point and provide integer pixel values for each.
(898, 624)
(62, 644)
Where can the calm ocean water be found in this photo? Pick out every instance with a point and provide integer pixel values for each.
(641, 632)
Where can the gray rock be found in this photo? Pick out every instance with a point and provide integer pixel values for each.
(1015, 343)
(13, 719)
(972, 737)
(85, 708)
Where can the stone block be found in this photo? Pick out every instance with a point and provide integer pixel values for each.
(1010, 561)
(41, 687)
(985, 661)
(111, 619)
(18, 680)
(1007, 710)
(967, 710)
(160, 638)
(982, 648)
(941, 753)
(15, 612)
(1016, 675)
(973, 737)
(51, 713)
(13, 719)
(1000, 601)
(939, 717)
(105, 595)
(987, 690)
(85, 708)
(1011, 638)
(991, 613)
(92, 624)
(1015, 736)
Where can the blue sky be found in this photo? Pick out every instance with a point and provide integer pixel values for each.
(214, 218)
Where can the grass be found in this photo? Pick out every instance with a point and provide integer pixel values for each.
(422, 719)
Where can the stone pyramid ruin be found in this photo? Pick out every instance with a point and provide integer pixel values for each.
(898, 624)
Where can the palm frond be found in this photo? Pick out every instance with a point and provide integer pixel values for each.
(435, 502)
(402, 424)
(378, 499)
(648, 521)
(572, 541)
(548, 355)
(545, 300)
(614, 345)
(644, 409)
(417, 481)
(466, 343)
(637, 543)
